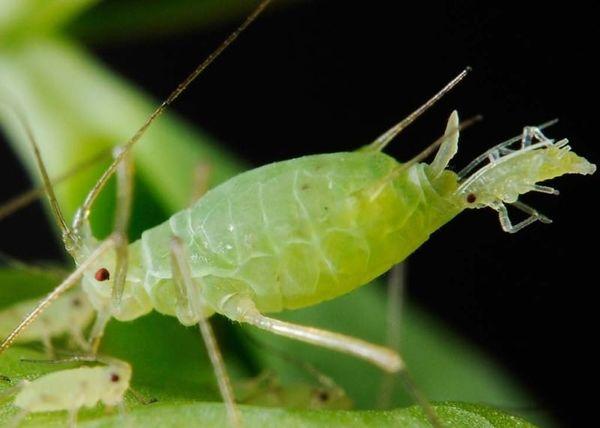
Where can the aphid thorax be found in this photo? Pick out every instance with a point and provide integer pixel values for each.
(514, 168)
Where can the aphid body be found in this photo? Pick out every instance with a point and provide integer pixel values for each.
(295, 233)
(69, 315)
(73, 389)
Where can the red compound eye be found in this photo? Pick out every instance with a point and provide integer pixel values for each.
(102, 274)
(114, 377)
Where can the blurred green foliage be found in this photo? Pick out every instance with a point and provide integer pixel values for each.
(78, 108)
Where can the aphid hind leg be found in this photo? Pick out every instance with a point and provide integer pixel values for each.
(185, 282)
(243, 309)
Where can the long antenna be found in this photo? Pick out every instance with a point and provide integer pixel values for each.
(84, 211)
(22, 200)
(67, 234)
(380, 143)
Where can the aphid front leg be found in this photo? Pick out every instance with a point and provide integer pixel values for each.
(122, 216)
(195, 307)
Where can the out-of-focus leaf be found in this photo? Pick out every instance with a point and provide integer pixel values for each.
(176, 411)
(22, 19)
(77, 109)
(136, 19)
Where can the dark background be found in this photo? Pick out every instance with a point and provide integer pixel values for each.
(324, 76)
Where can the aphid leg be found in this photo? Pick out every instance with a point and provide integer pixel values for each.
(507, 225)
(545, 189)
(48, 348)
(102, 318)
(72, 418)
(182, 276)
(123, 414)
(243, 309)
(78, 339)
(531, 133)
(395, 298)
(380, 143)
(67, 284)
(532, 212)
(200, 185)
(122, 216)
(140, 397)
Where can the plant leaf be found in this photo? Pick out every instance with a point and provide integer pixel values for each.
(131, 19)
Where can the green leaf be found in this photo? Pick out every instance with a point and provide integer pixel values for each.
(176, 410)
(26, 18)
(54, 80)
(130, 19)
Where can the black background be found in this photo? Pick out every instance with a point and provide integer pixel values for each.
(324, 76)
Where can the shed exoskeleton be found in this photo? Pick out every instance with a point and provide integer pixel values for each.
(290, 234)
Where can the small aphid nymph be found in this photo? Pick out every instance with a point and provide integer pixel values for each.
(73, 389)
(69, 316)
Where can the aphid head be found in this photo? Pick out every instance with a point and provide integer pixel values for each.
(99, 282)
(516, 167)
(117, 375)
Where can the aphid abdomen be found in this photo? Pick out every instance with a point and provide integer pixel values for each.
(298, 232)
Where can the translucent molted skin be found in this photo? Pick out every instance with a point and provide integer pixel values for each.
(518, 172)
